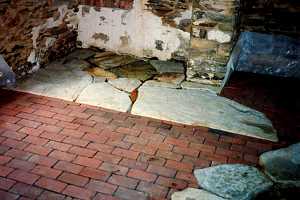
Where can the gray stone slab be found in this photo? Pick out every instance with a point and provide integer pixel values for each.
(202, 108)
(81, 54)
(112, 61)
(283, 165)
(236, 181)
(194, 194)
(167, 66)
(125, 84)
(106, 96)
(7, 76)
(154, 83)
(199, 86)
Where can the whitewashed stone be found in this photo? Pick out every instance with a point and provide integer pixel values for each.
(202, 108)
(125, 84)
(218, 36)
(106, 96)
(194, 194)
(283, 165)
(236, 181)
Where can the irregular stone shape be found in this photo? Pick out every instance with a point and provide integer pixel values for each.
(170, 78)
(268, 54)
(167, 66)
(7, 76)
(154, 83)
(106, 96)
(77, 64)
(110, 62)
(81, 54)
(202, 108)
(283, 165)
(139, 70)
(199, 86)
(125, 84)
(236, 181)
(194, 194)
(99, 72)
(219, 36)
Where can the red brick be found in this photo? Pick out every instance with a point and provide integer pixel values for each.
(142, 175)
(203, 147)
(152, 137)
(143, 128)
(155, 169)
(169, 155)
(119, 143)
(9, 126)
(14, 135)
(84, 122)
(186, 151)
(51, 195)
(58, 145)
(60, 155)
(63, 117)
(18, 154)
(125, 193)
(251, 158)
(46, 171)
(88, 162)
(24, 177)
(155, 160)
(137, 140)
(213, 157)
(176, 142)
(226, 152)
(233, 140)
(95, 174)
(67, 125)
(172, 183)
(42, 160)
(188, 167)
(161, 146)
(100, 196)
(4, 159)
(101, 147)
(38, 150)
(123, 181)
(73, 133)
(6, 183)
(153, 191)
(128, 131)
(108, 157)
(29, 123)
(115, 169)
(26, 190)
(125, 153)
(102, 187)
(79, 114)
(69, 167)
(98, 138)
(189, 177)
(50, 184)
(21, 164)
(30, 131)
(44, 113)
(133, 164)
(9, 119)
(4, 171)
(16, 144)
(73, 179)
(82, 151)
(50, 128)
(143, 148)
(78, 192)
(75, 141)
(53, 136)
(100, 119)
(35, 140)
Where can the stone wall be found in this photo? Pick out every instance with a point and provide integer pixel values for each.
(34, 31)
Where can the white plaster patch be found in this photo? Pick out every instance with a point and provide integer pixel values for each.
(218, 36)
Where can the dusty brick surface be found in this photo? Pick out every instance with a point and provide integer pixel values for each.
(53, 149)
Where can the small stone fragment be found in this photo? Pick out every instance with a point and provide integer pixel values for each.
(194, 194)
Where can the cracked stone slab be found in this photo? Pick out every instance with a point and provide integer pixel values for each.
(125, 84)
(81, 54)
(109, 62)
(167, 66)
(283, 165)
(170, 78)
(194, 194)
(106, 96)
(202, 108)
(154, 83)
(236, 181)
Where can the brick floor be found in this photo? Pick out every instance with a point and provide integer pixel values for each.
(52, 149)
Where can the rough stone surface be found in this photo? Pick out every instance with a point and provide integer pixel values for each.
(154, 83)
(194, 194)
(109, 62)
(106, 96)
(199, 86)
(236, 181)
(172, 78)
(202, 108)
(7, 76)
(125, 84)
(283, 165)
(167, 66)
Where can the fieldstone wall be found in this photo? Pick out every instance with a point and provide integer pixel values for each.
(34, 31)
(212, 35)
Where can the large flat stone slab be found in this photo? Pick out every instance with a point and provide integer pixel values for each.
(125, 84)
(194, 194)
(202, 108)
(236, 182)
(106, 96)
(283, 165)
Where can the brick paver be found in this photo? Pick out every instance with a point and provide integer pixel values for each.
(53, 149)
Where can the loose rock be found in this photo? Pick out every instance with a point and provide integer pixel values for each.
(194, 194)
